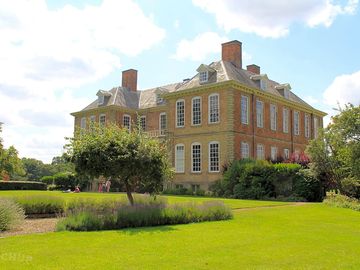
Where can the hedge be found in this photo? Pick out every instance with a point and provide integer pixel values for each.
(22, 185)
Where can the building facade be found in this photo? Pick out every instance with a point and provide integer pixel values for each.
(222, 113)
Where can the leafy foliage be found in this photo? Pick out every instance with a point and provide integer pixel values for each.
(259, 179)
(335, 154)
(41, 204)
(342, 201)
(131, 158)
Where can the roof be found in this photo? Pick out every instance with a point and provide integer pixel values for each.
(220, 71)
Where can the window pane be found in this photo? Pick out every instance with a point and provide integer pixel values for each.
(244, 150)
(285, 120)
(196, 158)
(126, 121)
(214, 157)
(162, 124)
(273, 116)
(196, 111)
(180, 158)
(259, 114)
(214, 109)
(244, 110)
(180, 113)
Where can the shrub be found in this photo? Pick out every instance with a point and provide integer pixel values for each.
(11, 214)
(146, 211)
(22, 185)
(41, 204)
(48, 180)
(308, 187)
(65, 180)
(351, 187)
(254, 181)
(342, 201)
(184, 191)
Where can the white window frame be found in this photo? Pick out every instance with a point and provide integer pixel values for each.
(192, 157)
(244, 111)
(273, 117)
(203, 76)
(245, 150)
(125, 126)
(177, 113)
(286, 120)
(316, 127)
(286, 153)
(193, 112)
(177, 169)
(296, 123)
(218, 157)
(210, 109)
(260, 148)
(273, 153)
(83, 123)
(307, 125)
(143, 122)
(100, 117)
(259, 114)
(162, 129)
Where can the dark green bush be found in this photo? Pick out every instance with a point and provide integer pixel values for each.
(351, 187)
(41, 204)
(11, 214)
(259, 179)
(145, 212)
(308, 187)
(22, 185)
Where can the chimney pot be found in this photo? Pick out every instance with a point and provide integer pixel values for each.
(231, 52)
(129, 79)
(253, 68)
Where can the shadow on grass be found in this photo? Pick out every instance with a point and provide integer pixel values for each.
(149, 230)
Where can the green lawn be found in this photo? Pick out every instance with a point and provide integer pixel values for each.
(311, 236)
(232, 203)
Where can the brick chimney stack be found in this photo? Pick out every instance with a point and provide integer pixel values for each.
(231, 52)
(253, 68)
(129, 79)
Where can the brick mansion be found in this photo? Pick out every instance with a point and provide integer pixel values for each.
(224, 112)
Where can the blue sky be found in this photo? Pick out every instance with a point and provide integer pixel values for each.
(55, 55)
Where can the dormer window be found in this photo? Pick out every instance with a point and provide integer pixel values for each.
(203, 76)
(287, 93)
(101, 99)
(159, 99)
(284, 90)
(205, 72)
(261, 80)
(263, 84)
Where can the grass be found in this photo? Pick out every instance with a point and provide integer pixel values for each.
(311, 236)
(232, 203)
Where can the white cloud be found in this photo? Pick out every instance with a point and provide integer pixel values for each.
(311, 100)
(200, 47)
(274, 18)
(45, 54)
(344, 89)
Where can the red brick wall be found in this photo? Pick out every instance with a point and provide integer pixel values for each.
(129, 79)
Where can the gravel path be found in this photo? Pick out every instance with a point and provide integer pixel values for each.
(41, 225)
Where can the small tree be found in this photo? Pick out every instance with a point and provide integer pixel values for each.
(131, 158)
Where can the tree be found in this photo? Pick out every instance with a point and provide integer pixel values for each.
(131, 158)
(335, 154)
(36, 169)
(10, 163)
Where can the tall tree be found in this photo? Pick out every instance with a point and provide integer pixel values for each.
(335, 154)
(131, 158)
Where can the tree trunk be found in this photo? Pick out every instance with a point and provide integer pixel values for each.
(128, 193)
